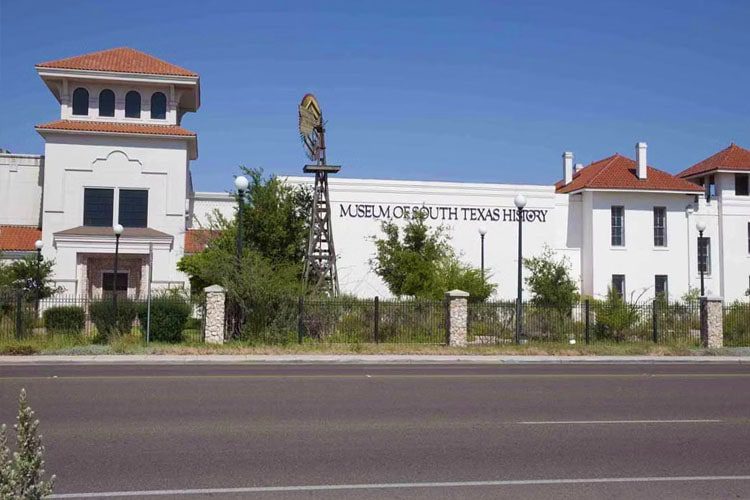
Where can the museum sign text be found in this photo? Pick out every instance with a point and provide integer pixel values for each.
(440, 213)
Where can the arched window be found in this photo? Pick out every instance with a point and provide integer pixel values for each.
(106, 103)
(133, 104)
(80, 101)
(158, 106)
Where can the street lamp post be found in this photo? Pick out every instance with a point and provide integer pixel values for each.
(38, 244)
(520, 202)
(701, 226)
(241, 183)
(482, 233)
(117, 229)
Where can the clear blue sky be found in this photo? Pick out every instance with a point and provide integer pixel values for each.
(459, 90)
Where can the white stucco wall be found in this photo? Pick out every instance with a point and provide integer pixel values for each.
(205, 205)
(74, 162)
(733, 237)
(462, 208)
(639, 260)
(21, 178)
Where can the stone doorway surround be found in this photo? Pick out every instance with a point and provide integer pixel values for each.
(92, 266)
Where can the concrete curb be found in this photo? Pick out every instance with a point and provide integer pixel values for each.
(357, 359)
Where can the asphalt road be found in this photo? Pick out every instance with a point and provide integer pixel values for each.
(355, 431)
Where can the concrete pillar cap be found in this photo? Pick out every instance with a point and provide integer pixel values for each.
(457, 293)
(214, 289)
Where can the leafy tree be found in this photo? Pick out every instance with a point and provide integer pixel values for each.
(22, 473)
(274, 228)
(268, 277)
(550, 282)
(275, 218)
(30, 276)
(418, 262)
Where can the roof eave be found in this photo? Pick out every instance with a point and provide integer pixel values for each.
(629, 190)
(46, 72)
(718, 170)
(51, 75)
(192, 139)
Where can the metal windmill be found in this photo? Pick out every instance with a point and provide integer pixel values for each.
(320, 260)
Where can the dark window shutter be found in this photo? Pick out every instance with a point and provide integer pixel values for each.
(133, 208)
(97, 207)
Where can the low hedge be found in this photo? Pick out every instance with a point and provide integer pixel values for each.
(169, 315)
(64, 319)
(103, 315)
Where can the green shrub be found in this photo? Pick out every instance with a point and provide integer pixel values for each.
(103, 315)
(64, 319)
(618, 320)
(737, 325)
(169, 315)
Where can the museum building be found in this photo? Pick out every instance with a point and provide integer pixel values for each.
(118, 154)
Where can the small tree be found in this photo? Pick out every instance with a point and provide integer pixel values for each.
(22, 473)
(31, 276)
(550, 282)
(419, 262)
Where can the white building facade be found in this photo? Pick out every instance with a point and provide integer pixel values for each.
(119, 155)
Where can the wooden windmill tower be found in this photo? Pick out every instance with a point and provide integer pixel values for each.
(320, 260)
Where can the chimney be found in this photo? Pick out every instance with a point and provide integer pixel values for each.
(579, 167)
(567, 167)
(640, 159)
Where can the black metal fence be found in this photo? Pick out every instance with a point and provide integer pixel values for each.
(351, 321)
(170, 318)
(589, 322)
(348, 321)
(737, 324)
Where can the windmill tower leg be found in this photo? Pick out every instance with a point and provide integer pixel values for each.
(320, 263)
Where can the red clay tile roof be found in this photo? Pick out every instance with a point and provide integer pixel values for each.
(197, 239)
(19, 238)
(116, 128)
(119, 60)
(619, 173)
(731, 158)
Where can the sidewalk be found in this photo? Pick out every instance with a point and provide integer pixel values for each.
(357, 359)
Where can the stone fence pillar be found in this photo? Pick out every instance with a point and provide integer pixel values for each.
(215, 317)
(458, 316)
(712, 318)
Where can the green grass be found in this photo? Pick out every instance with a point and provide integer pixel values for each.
(134, 343)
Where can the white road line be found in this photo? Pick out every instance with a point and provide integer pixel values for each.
(382, 486)
(592, 422)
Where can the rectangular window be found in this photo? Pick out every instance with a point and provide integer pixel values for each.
(704, 255)
(618, 226)
(618, 284)
(660, 226)
(133, 208)
(661, 288)
(108, 283)
(742, 184)
(97, 207)
(710, 188)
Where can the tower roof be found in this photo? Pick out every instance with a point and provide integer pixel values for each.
(731, 158)
(119, 60)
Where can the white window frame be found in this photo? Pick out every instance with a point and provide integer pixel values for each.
(612, 227)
